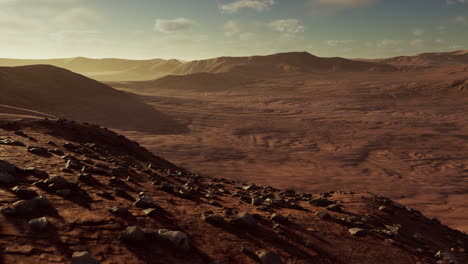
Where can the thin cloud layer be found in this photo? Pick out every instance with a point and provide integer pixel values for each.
(173, 25)
(257, 5)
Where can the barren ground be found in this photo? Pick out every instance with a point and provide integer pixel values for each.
(402, 135)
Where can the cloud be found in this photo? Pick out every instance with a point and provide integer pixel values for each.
(335, 43)
(290, 26)
(461, 20)
(76, 16)
(417, 43)
(455, 2)
(238, 29)
(41, 2)
(232, 28)
(173, 25)
(257, 5)
(418, 32)
(340, 4)
(389, 43)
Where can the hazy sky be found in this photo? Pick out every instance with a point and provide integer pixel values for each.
(196, 29)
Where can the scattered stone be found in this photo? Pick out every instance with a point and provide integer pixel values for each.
(12, 143)
(334, 208)
(105, 194)
(144, 201)
(57, 182)
(24, 193)
(214, 203)
(278, 218)
(119, 210)
(6, 178)
(63, 192)
(27, 207)
(320, 202)
(166, 187)
(133, 234)
(73, 164)
(57, 152)
(213, 219)
(356, 231)
(288, 193)
(7, 172)
(245, 219)
(250, 187)
(178, 239)
(92, 170)
(39, 223)
(36, 173)
(446, 257)
(20, 133)
(150, 212)
(38, 151)
(266, 257)
(275, 202)
(83, 257)
(323, 215)
(386, 209)
(114, 181)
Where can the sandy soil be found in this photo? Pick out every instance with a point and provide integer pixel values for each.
(399, 134)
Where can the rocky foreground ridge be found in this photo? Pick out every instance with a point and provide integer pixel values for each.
(78, 193)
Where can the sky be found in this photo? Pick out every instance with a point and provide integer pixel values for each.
(200, 29)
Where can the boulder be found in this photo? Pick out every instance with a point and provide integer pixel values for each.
(119, 210)
(38, 151)
(266, 257)
(133, 234)
(58, 182)
(39, 223)
(24, 193)
(178, 239)
(357, 231)
(213, 219)
(83, 257)
(12, 143)
(6, 178)
(323, 215)
(334, 208)
(320, 202)
(245, 219)
(386, 209)
(144, 201)
(278, 218)
(7, 172)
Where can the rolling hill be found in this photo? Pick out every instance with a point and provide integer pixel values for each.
(62, 93)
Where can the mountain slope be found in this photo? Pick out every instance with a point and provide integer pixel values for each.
(440, 59)
(122, 204)
(278, 63)
(254, 66)
(62, 93)
(106, 69)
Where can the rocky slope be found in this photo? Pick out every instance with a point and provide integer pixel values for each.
(45, 89)
(79, 193)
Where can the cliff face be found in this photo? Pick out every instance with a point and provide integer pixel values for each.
(68, 188)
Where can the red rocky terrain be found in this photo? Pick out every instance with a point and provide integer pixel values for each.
(78, 193)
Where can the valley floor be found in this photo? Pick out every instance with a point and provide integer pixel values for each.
(402, 135)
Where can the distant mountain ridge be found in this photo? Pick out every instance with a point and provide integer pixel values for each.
(280, 63)
(436, 59)
(138, 70)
